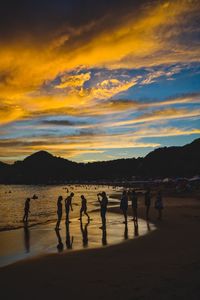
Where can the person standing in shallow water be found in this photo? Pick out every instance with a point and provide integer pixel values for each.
(68, 206)
(26, 210)
(159, 205)
(59, 212)
(147, 202)
(124, 205)
(103, 203)
(83, 208)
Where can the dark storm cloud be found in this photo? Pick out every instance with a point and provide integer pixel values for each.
(187, 33)
(34, 18)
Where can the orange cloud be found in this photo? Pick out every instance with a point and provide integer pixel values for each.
(133, 42)
(150, 37)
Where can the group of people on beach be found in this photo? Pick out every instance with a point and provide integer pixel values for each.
(127, 196)
(132, 196)
(102, 199)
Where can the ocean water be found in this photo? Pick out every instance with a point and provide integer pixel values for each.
(43, 209)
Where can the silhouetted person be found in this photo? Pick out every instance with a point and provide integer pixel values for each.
(59, 212)
(84, 232)
(148, 226)
(136, 233)
(134, 203)
(103, 203)
(69, 240)
(124, 205)
(68, 206)
(147, 202)
(104, 236)
(159, 205)
(26, 210)
(83, 207)
(60, 244)
(27, 239)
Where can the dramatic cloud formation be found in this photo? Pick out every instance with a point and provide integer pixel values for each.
(111, 66)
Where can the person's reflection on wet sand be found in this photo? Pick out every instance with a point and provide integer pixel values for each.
(60, 244)
(69, 240)
(126, 231)
(136, 232)
(104, 236)
(59, 212)
(26, 238)
(84, 231)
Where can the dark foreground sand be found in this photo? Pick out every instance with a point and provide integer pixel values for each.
(162, 265)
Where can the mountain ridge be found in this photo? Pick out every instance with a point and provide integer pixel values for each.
(43, 167)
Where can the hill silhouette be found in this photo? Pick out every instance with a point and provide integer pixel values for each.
(43, 167)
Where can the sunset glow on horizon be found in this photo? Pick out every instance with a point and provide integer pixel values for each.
(103, 80)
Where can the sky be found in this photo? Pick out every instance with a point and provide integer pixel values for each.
(98, 80)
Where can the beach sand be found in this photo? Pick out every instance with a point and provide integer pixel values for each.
(162, 265)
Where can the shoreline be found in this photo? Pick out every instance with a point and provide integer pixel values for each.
(161, 265)
(40, 240)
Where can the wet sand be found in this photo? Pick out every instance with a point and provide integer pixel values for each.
(29, 242)
(162, 265)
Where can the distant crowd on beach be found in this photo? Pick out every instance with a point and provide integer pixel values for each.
(127, 195)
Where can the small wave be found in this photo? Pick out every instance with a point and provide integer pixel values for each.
(8, 228)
